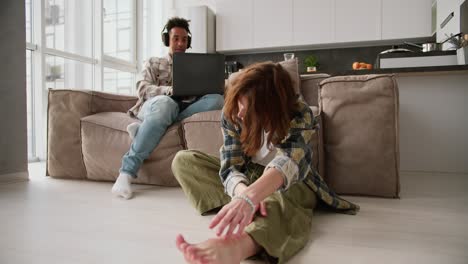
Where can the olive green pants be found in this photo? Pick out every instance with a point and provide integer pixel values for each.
(282, 233)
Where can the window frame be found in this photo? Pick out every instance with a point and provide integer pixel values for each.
(98, 60)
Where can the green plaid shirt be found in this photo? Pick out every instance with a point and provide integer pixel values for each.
(293, 159)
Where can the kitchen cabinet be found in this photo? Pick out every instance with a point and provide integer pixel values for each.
(234, 30)
(448, 11)
(406, 19)
(202, 27)
(272, 23)
(357, 20)
(275, 24)
(313, 21)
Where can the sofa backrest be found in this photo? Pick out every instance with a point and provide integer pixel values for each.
(361, 134)
(65, 110)
(309, 87)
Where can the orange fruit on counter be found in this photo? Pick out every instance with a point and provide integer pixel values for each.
(361, 66)
(355, 65)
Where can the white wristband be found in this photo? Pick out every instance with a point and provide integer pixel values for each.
(247, 199)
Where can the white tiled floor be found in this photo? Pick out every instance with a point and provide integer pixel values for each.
(49, 221)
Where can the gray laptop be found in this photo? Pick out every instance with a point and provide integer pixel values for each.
(197, 74)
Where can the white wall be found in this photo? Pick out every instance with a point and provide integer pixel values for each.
(434, 122)
(13, 137)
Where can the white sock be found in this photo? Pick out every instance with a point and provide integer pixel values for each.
(132, 129)
(122, 186)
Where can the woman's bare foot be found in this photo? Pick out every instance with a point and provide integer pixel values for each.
(218, 250)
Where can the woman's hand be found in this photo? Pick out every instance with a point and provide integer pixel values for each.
(238, 213)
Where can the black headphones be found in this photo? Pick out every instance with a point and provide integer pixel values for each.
(165, 36)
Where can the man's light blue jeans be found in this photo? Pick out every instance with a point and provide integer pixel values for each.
(157, 114)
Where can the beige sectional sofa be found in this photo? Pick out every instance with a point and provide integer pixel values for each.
(356, 149)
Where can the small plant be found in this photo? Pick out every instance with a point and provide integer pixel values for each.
(311, 63)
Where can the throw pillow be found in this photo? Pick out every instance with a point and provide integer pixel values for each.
(291, 66)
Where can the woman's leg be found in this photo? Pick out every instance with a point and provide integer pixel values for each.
(197, 173)
(286, 228)
(218, 250)
(281, 234)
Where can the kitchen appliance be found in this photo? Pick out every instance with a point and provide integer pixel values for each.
(230, 67)
(417, 59)
(428, 47)
(463, 52)
(395, 49)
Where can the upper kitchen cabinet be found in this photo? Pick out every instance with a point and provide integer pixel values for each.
(202, 26)
(320, 29)
(272, 23)
(448, 19)
(234, 30)
(357, 20)
(406, 19)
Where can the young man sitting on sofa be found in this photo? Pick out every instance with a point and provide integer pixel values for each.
(156, 107)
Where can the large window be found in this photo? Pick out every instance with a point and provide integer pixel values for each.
(119, 29)
(82, 44)
(63, 73)
(119, 82)
(69, 26)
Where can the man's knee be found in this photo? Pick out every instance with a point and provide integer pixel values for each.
(165, 105)
(215, 101)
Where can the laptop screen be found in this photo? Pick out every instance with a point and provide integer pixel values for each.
(197, 74)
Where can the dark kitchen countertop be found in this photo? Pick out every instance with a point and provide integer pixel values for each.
(418, 54)
(402, 71)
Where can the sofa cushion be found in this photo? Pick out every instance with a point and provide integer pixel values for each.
(65, 109)
(291, 66)
(360, 125)
(310, 87)
(202, 132)
(105, 141)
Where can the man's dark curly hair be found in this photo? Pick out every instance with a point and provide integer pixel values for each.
(178, 22)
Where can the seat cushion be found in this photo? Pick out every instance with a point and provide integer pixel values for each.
(105, 141)
(360, 125)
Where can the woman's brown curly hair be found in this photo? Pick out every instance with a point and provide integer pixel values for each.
(271, 104)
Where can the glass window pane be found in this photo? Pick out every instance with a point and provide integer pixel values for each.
(154, 19)
(28, 21)
(119, 29)
(69, 26)
(119, 82)
(29, 106)
(68, 74)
